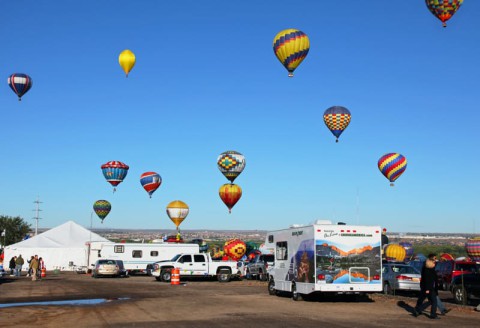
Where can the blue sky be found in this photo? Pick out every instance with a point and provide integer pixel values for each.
(206, 80)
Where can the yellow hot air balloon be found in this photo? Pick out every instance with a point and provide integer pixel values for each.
(395, 252)
(177, 211)
(291, 47)
(126, 60)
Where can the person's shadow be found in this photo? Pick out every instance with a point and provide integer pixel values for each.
(406, 307)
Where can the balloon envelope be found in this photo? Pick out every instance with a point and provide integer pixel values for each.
(230, 194)
(408, 249)
(102, 208)
(20, 84)
(395, 252)
(235, 249)
(177, 211)
(336, 119)
(114, 172)
(472, 246)
(231, 163)
(291, 46)
(150, 181)
(443, 9)
(126, 59)
(392, 166)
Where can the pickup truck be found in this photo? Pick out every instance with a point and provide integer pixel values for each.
(196, 265)
(259, 266)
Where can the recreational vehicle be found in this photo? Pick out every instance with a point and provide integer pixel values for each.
(137, 256)
(326, 257)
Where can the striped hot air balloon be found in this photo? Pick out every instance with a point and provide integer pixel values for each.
(114, 172)
(336, 119)
(230, 194)
(291, 47)
(472, 246)
(102, 208)
(177, 211)
(20, 84)
(150, 181)
(392, 166)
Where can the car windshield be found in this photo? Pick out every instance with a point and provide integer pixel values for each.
(268, 258)
(175, 257)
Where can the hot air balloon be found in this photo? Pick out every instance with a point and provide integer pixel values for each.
(177, 211)
(446, 257)
(472, 246)
(230, 194)
(392, 166)
(150, 182)
(443, 9)
(395, 252)
(336, 119)
(20, 84)
(126, 60)
(114, 172)
(235, 249)
(291, 47)
(408, 249)
(102, 208)
(231, 164)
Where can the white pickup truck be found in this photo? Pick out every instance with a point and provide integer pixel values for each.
(196, 265)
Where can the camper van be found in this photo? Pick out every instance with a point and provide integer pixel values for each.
(325, 258)
(136, 256)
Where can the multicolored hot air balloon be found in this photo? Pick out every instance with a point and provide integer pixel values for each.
(336, 119)
(392, 166)
(150, 182)
(395, 252)
(235, 249)
(102, 208)
(20, 84)
(177, 211)
(408, 249)
(231, 163)
(126, 59)
(291, 47)
(472, 246)
(443, 9)
(230, 194)
(114, 172)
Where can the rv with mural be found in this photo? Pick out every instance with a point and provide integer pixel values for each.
(325, 258)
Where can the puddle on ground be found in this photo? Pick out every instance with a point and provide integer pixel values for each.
(91, 301)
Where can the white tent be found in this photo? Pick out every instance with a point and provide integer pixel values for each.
(62, 247)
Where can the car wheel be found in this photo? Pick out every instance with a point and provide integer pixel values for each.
(296, 296)
(166, 275)
(387, 290)
(271, 288)
(223, 276)
(460, 295)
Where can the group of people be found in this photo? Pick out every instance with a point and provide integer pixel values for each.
(35, 266)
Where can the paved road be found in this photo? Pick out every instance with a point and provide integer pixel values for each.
(148, 303)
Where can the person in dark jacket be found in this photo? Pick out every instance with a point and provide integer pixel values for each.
(12, 265)
(428, 288)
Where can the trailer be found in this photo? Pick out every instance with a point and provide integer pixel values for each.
(325, 258)
(136, 256)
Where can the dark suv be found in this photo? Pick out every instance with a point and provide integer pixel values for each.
(447, 270)
(465, 286)
(258, 267)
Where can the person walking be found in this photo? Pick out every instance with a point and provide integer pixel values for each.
(12, 265)
(18, 265)
(41, 266)
(428, 288)
(34, 265)
(30, 266)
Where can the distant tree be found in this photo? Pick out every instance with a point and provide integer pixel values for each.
(15, 229)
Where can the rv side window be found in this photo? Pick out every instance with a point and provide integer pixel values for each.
(118, 249)
(199, 258)
(270, 238)
(282, 253)
(136, 254)
(154, 253)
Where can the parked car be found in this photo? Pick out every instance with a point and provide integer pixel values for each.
(464, 286)
(400, 277)
(447, 270)
(259, 266)
(106, 267)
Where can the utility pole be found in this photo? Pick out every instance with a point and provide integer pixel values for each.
(37, 209)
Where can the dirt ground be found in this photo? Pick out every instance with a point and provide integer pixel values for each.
(141, 301)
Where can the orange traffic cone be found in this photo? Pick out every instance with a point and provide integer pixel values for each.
(175, 276)
(44, 273)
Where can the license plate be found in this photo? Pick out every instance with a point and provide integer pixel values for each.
(416, 279)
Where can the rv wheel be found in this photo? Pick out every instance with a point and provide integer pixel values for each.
(271, 288)
(296, 296)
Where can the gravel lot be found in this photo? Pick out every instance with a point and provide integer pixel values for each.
(141, 301)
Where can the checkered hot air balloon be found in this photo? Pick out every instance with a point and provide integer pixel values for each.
(150, 181)
(392, 166)
(20, 84)
(472, 246)
(395, 252)
(231, 163)
(114, 172)
(443, 9)
(102, 208)
(291, 47)
(235, 249)
(336, 119)
(230, 194)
